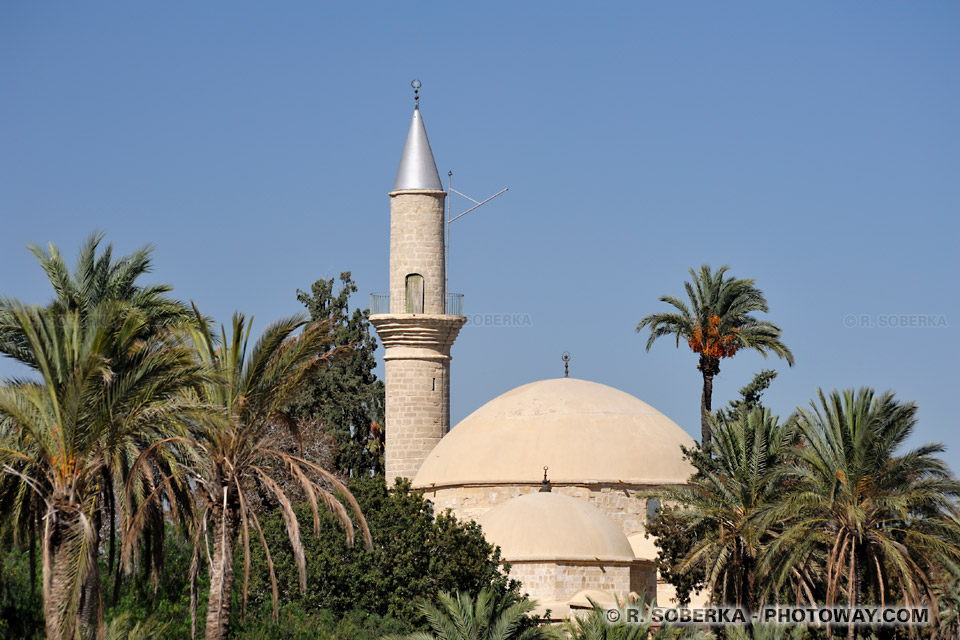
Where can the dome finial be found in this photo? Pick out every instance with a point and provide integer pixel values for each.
(416, 84)
(545, 485)
(565, 356)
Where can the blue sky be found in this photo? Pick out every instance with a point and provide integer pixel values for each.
(813, 146)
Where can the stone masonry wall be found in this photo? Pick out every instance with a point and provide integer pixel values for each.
(417, 412)
(643, 580)
(416, 246)
(560, 581)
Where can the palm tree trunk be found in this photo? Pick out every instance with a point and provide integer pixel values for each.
(90, 608)
(91, 604)
(111, 513)
(56, 568)
(853, 591)
(32, 541)
(709, 367)
(115, 569)
(51, 598)
(221, 577)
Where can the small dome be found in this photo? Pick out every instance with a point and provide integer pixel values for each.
(550, 527)
(587, 433)
(643, 547)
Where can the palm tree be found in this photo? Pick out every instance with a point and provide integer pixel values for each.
(948, 597)
(125, 627)
(760, 631)
(233, 457)
(724, 498)
(492, 616)
(596, 624)
(716, 324)
(63, 431)
(880, 522)
(98, 278)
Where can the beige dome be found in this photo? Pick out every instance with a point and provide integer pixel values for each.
(551, 526)
(643, 547)
(587, 433)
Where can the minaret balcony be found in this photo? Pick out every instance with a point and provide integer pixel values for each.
(385, 304)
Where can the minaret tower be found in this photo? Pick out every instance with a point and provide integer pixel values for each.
(418, 321)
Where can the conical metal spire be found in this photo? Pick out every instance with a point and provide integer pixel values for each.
(417, 167)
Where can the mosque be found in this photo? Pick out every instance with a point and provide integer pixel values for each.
(551, 469)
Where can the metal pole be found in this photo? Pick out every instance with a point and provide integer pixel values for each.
(446, 244)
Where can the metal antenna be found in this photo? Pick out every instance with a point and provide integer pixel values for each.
(446, 267)
(566, 363)
(416, 84)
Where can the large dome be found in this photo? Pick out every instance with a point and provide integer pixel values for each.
(550, 527)
(586, 433)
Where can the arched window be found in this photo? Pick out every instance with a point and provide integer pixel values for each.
(653, 509)
(414, 293)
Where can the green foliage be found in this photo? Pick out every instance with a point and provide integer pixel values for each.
(125, 627)
(415, 556)
(234, 458)
(823, 509)
(948, 597)
(491, 615)
(344, 397)
(21, 608)
(674, 537)
(297, 623)
(168, 598)
(863, 522)
(595, 624)
(106, 385)
(765, 632)
(96, 279)
(78, 429)
(751, 394)
(724, 501)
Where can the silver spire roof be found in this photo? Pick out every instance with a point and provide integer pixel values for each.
(417, 167)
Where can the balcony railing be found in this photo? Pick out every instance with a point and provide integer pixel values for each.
(381, 303)
(454, 304)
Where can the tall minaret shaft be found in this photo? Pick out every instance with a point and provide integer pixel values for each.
(416, 329)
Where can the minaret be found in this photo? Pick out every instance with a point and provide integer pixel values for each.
(416, 323)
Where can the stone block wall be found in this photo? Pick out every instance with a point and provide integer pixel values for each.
(560, 581)
(643, 579)
(417, 406)
(416, 246)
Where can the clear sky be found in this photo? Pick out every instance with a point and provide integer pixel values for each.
(813, 146)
